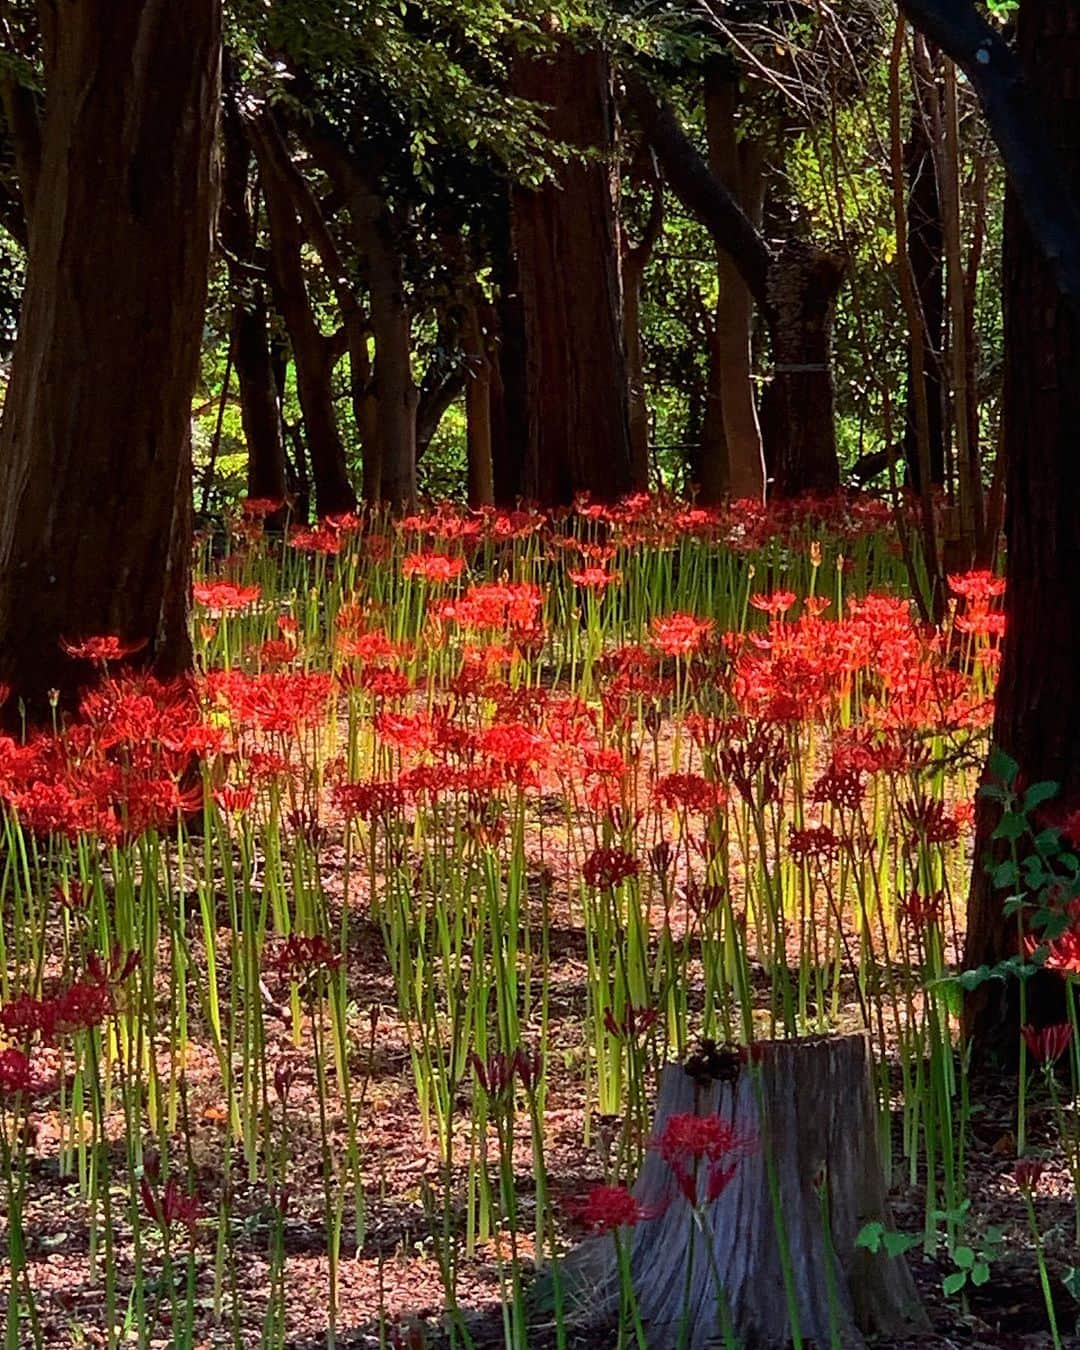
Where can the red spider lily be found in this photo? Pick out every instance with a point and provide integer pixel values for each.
(817, 841)
(529, 1067)
(235, 800)
(1063, 953)
(225, 597)
(635, 1022)
(606, 867)
(103, 649)
(928, 819)
(299, 956)
(82, 1005)
(1046, 1045)
(679, 634)
(1027, 1173)
(435, 568)
(370, 801)
(688, 1140)
(495, 1074)
(776, 604)
(606, 1209)
(258, 508)
(15, 1074)
(689, 790)
(977, 587)
(322, 540)
(173, 1206)
(840, 787)
(594, 578)
(923, 910)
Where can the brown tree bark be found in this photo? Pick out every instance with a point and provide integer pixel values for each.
(314, 353)
(259, 411)
(566, 244)
(732, 458)
(95, 459)
(1037, 716)
(474, 342)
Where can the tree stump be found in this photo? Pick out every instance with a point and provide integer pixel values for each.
(808, 1108)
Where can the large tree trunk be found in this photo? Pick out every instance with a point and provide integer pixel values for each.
(314, 353)
(797, 414)
(733, 461)
(509, 414)
(1037, 718)
(95, 459)
(259, 411)
(567, 249)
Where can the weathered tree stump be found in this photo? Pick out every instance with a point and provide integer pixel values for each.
(808, 1107)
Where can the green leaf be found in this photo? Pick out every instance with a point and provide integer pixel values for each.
(964, 1257)
(870, 1236)
(1038, 793)
(1011, 826)
(952, 1284)
(1071, 1281)
(1002, 766)
(980, 1273)
(1004, 874)
(896, 1244)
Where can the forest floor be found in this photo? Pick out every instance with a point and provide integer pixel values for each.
(390, 1292)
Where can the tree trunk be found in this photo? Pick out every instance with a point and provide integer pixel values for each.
(259, 410)
(733, 462)
(509, 414)
(797, 411)
(95, 457)
(806, 1113)
(566, 243)
(796, 289)
(1037, 715)
(474, 343)
(926, 243)
(315, 354)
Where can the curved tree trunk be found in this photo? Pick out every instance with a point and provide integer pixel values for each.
(566, 244)
(1037, 716)
(95, 461)
(314, 353)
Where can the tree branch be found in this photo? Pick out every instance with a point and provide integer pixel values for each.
(996, 75)
(700, 191)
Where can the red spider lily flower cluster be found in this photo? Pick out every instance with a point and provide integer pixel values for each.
(299, 956)
(679, 634)
(437, 569)
(17, 1077)
(106, 649)
(225, 597)
(635, 1022)
(170, 1205)
(608, 867)
(606, 1209)
(1027, 1173)
(688, 1140)
(497, 1073)
(1046, 1045)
